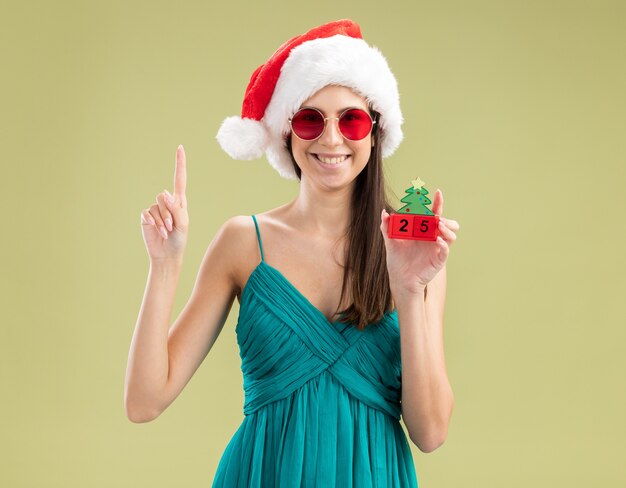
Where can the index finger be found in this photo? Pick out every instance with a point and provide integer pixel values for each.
(180, 173)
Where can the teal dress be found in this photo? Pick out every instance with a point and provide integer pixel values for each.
(322, 399)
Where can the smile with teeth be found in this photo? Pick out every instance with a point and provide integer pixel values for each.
(330, 160)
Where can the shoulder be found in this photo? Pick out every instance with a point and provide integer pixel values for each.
(238, 243)
(235, 236)
(236, 225)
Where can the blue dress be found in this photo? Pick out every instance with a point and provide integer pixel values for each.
(322, 399)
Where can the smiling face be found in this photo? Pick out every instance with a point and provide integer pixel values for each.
(331, 159)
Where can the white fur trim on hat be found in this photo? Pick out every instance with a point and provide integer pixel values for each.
(243, 138)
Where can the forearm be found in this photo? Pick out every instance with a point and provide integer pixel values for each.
(148, 362)
(426, 393)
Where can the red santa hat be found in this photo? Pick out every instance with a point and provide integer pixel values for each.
(333, 53)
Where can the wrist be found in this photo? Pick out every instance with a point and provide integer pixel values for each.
(403, 293)
(169, 264)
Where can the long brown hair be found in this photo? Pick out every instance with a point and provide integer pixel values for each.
(365, 258)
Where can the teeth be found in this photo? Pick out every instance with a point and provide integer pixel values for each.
(331, 160)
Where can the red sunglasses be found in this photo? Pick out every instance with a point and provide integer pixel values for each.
(309, 123)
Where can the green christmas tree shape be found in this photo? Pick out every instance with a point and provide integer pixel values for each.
(416, 199)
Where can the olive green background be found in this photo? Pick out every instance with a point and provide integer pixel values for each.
(516, 110)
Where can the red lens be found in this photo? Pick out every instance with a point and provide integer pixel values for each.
(308, 124)
(355, 124)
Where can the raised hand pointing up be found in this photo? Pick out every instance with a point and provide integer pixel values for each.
(165, 224)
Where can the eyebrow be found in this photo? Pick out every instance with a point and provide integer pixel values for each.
(339, 111)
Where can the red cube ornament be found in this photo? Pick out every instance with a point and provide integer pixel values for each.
(414, 220)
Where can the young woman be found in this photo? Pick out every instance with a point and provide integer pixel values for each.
(340, 329)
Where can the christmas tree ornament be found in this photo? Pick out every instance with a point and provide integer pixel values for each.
(415, 220)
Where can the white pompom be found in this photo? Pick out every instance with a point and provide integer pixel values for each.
(243, 138)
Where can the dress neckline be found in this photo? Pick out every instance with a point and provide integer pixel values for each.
(292, 287)
(276, 272)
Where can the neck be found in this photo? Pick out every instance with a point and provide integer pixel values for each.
(322, 212)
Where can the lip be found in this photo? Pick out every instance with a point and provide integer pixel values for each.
(331, 166)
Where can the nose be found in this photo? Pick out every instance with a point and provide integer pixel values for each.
(332, 135)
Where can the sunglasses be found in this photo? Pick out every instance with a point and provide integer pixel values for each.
(309, 123)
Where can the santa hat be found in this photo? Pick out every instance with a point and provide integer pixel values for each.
(333, 53)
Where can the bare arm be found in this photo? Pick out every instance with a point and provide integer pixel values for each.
(427, 397)
(163, 360)
(148, 367)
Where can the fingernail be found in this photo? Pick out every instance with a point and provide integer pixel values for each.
(163, 233)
